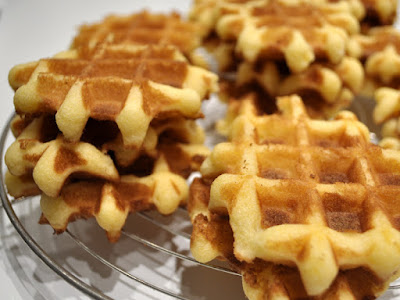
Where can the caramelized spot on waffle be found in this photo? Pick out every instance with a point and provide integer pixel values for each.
(327, 143)
(85, 198)
(274, 174)
(285, 211)
(133, 195)
(53, 90)
(344, 221)
(342, 214)
(389, 179)
(153, 100)
(105, 98)
(33, 158)
(334, 177)
(66, 66)
(199, 191)
(177, 159)
(218, 231)
(67, 158)
(273, 217)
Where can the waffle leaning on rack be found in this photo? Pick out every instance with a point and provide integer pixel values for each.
(107, 130)
(301, 208)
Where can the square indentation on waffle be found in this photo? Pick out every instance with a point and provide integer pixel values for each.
(386, 166)
(344, 208)
(278, 162)
(128, 84)
(336, 165)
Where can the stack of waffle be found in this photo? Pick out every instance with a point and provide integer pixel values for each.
(108, 127)
(380, 52)
(378, 48)
(286, 47)
(302, 208)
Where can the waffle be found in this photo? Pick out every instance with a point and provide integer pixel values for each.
(386, 112)
(313, 195)
(178, 132)
(324, 88)
(128, 84)
(140, 28)
(111, 202)
(213, 237)
(52, 162)
(80, 180)
(379, 51)
(208, 12)
(179, 141)
(297, 32)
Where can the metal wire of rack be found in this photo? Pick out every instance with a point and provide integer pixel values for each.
(161, 224)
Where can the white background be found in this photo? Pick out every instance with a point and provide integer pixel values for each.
(30, 30)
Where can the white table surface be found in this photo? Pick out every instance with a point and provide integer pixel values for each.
(30, 30)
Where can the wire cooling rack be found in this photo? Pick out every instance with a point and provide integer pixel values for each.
(155, 251)
(151, 261)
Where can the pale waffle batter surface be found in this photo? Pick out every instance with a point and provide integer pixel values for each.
(297, 200)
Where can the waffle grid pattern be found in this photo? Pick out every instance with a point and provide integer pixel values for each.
(137, 84)
(335, 225)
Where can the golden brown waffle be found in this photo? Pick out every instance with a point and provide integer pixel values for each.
(379, 51)
(179, 141)
(314, 195)
(140, 28)
(130, 85)
(184, 136)
(297, 32)
(325, 89)
(52, 162)
(111, 202)
(207, 12)
(80, 180)
(212, 234)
